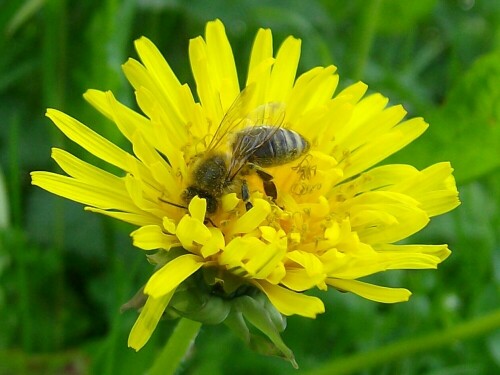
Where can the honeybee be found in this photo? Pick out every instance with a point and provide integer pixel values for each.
(242, 145)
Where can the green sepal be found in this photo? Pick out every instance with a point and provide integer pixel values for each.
(228, 284)
(198, 306)
(161, 257)
(136, 302)
(264, 317)
(237, 324)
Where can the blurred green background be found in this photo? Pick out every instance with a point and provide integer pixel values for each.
(64, 273)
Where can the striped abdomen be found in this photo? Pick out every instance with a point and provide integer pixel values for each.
(273, 146)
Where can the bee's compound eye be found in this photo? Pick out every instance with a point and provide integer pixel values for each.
(189, 194)
(193, 191)
(211, 204)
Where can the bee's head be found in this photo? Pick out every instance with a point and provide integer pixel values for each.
(193, 191)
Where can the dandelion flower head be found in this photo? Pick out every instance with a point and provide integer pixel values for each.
(337, 215)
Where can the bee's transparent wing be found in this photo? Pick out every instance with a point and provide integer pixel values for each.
(271, 115)
(234, 119)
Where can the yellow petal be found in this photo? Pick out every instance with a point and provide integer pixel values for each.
(284, 70)
(169, 225)
(172, 274)
(159, 176)
(261, 62)
(252, 218)
(127, 120)
(138, 75)
(198, 208)
(229, 202)
(220, 57)
(440, 251)
(191, 232)
(332, 233)
(301, 280)
(171, 140)
(262, 262)
(214, 244)
(205, 87)
(383, 146)
(278, 273)
(88, 173)
(262, 52)
(361, 115)
(311, 90)
(372, 124)
(307, 260)
(141, 219)
(78, 191)
(355, 266)
(386, 216)
(434, 187)
(391, 175)
(239, 250)
(147, 320)
(372, 292)
(91, 141)
(151, 237)
(291, 303)
(311, 274)
(163, 83)
(353, 93)
(143, 195)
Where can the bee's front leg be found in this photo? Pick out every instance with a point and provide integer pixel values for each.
(245, 194)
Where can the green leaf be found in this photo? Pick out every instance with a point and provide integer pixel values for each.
(398, 17)
(466, 130)
(25, 12)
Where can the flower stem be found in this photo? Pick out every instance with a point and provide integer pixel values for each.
(176, 348)
(411, 346)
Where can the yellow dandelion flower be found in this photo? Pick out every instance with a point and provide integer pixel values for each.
(252, 197)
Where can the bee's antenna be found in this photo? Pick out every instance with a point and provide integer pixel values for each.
(172, 203)
(184, 207)
(210, 221)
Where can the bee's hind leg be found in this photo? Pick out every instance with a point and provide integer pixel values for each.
(267, 182)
